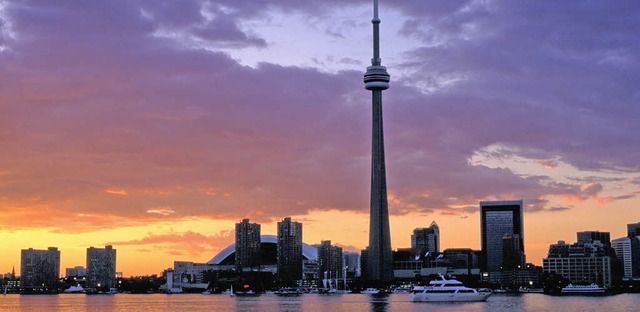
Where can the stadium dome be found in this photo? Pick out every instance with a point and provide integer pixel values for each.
(268, 245)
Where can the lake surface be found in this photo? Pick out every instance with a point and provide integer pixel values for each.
(309, 303)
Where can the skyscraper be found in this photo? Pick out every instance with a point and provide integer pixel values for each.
(39, 268)
(101, 267)
(376, 79)
(329, 260)
(633, 229)
(498, 218)
(247, 245)
(289, 252)
(628, 252)
(426, 239)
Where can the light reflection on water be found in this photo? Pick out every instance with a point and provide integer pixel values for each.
(309, 303)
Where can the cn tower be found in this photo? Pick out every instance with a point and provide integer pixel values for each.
(376, 79)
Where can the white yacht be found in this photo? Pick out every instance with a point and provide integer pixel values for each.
(447, 290)
(370, 291)
(583, 289)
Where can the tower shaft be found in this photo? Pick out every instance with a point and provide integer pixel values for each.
(380, 254)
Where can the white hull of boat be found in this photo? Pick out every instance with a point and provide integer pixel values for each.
(448, 297)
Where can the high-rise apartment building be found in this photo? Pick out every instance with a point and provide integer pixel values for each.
(247, 245)
(289, 252)
(329, 260)
(497, 219)
(101, 267)
(39, 268)
(426, 239)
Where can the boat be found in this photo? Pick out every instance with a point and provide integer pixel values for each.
(371, 291)
(402, 290)
(531, 290)
(592, 289)
(288, 292)
(246, 293)
(447, 290)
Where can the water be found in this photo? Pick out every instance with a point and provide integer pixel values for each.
(309, 303)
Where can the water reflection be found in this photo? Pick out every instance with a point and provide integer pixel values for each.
(290, 304)
(379, 303)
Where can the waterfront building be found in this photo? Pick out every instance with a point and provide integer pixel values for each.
(75, 271)
(39, 268)
(580, 262)
(426, 239)
(463, 259)
(628, 253)
(586, 237)
(376, 79)
(497, 219)
(247, 246)
(188, 275)
(101, 267)
(289, 252)
(329, 260)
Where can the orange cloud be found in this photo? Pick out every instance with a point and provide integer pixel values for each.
(183, 243)
(161, 211)
(116, 192)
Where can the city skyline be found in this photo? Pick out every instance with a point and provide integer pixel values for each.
(155, 127)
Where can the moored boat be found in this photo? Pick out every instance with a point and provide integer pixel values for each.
(447, 290)
(371, 291)
(288, 292)
(592, 289)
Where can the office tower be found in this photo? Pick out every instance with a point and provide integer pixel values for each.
(628, 252)
(289, 252)
(364, 263)
(101, 267)
(377, 79)
(498, 218)
(247, 245)
(352, 263)
(591, 236)
(426, 239)
(329, 260)
(633, 229)
(40, 268)
(512, 255)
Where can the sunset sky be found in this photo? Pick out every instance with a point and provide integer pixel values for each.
(155, 126)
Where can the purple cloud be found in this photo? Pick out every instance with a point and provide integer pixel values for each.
(118, 96)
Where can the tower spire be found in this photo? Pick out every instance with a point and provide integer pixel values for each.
(376, 79)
